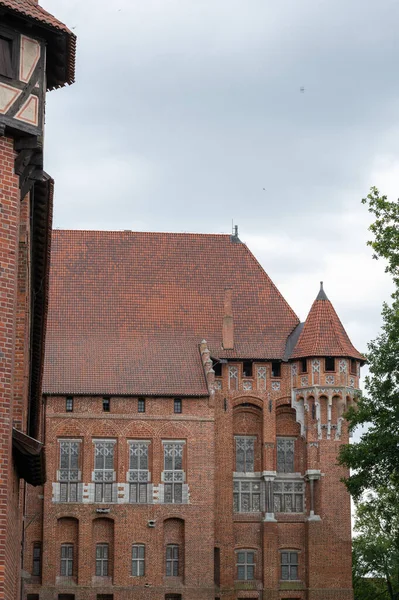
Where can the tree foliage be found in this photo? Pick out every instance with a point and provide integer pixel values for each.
(376, 546)
(375, 458)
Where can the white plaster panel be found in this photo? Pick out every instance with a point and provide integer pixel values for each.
(29, 112)
(30, 54)
(8, 95)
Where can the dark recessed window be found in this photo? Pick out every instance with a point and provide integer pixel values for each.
(66, 596)
(177, 405)
(217, 367)
(141, 405)
(106, 404)
(105, 597)
(330, 363)
(32, 597)
(304, 365)
(37, 559)
(276, 369)
(6, 68)
(247, 368)
(353, 366)
(69, 404)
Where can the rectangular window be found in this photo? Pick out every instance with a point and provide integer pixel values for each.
(288, 496)
(353, 366)
(66, 560)
(177, 406)
(66, 596)
(289, 566)
(138, 560)
(247, 368)
(104, 471)
(285, 455)
(304, 365)
(37, 559)
(138, 471)
(217, 367)
(141, 405)
(6, 68)
(245, 454)
(102, 560)
(172, 560)
(69, 474)
(276, 369)
(69, 404)
(245, 565)
(106, 404)
(173, 474)
(330, 364)
(246, 496)
(105, 597)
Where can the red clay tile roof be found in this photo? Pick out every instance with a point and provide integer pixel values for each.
(323, 333)
(32, 11)
(128, 310)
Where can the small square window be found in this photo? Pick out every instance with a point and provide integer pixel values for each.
(276, 369)
(330, 363)
(106, 404)
(178, 406)
(141, 405)
(304, 365)
(69, 404)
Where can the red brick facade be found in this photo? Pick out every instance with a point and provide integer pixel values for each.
(241, 494)
(26, 195)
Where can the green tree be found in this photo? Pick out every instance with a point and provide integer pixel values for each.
(375, 458)
(376, 547)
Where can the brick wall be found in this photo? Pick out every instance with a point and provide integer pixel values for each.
(208, 430)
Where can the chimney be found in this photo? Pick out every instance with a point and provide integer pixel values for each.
(228, 324)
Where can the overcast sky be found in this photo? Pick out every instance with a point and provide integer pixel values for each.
(187, 114)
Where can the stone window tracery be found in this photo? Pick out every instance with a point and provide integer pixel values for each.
(245, 454)
(285, 455)
(69, 474)
(104, 474)
(173, 474)
(247, 495)
(138, 475)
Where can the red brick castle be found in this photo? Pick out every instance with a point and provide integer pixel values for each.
(192, 425)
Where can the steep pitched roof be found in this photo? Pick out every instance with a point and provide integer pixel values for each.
(61, 40)
(128, 310)
(323, 333)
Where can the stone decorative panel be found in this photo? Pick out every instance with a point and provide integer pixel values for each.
(342, 366)
(218, 384)
(233, 377)
(330, 380)
(247, 385)
(276, 386)
(304, 381)
(261, 372)
(294, 369)
(316, 365)
(352, 382)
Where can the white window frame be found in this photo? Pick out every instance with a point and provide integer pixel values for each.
(173, 479)
(246, 565)
(138, 562)
(104, 478)
(139, 478)
(69, 479)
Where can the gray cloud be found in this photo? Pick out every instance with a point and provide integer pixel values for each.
(184, 111)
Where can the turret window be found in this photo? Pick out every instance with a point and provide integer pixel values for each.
(330, 363)
(353, 366)
(304, 365)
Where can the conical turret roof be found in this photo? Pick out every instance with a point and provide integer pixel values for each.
(323, 333)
